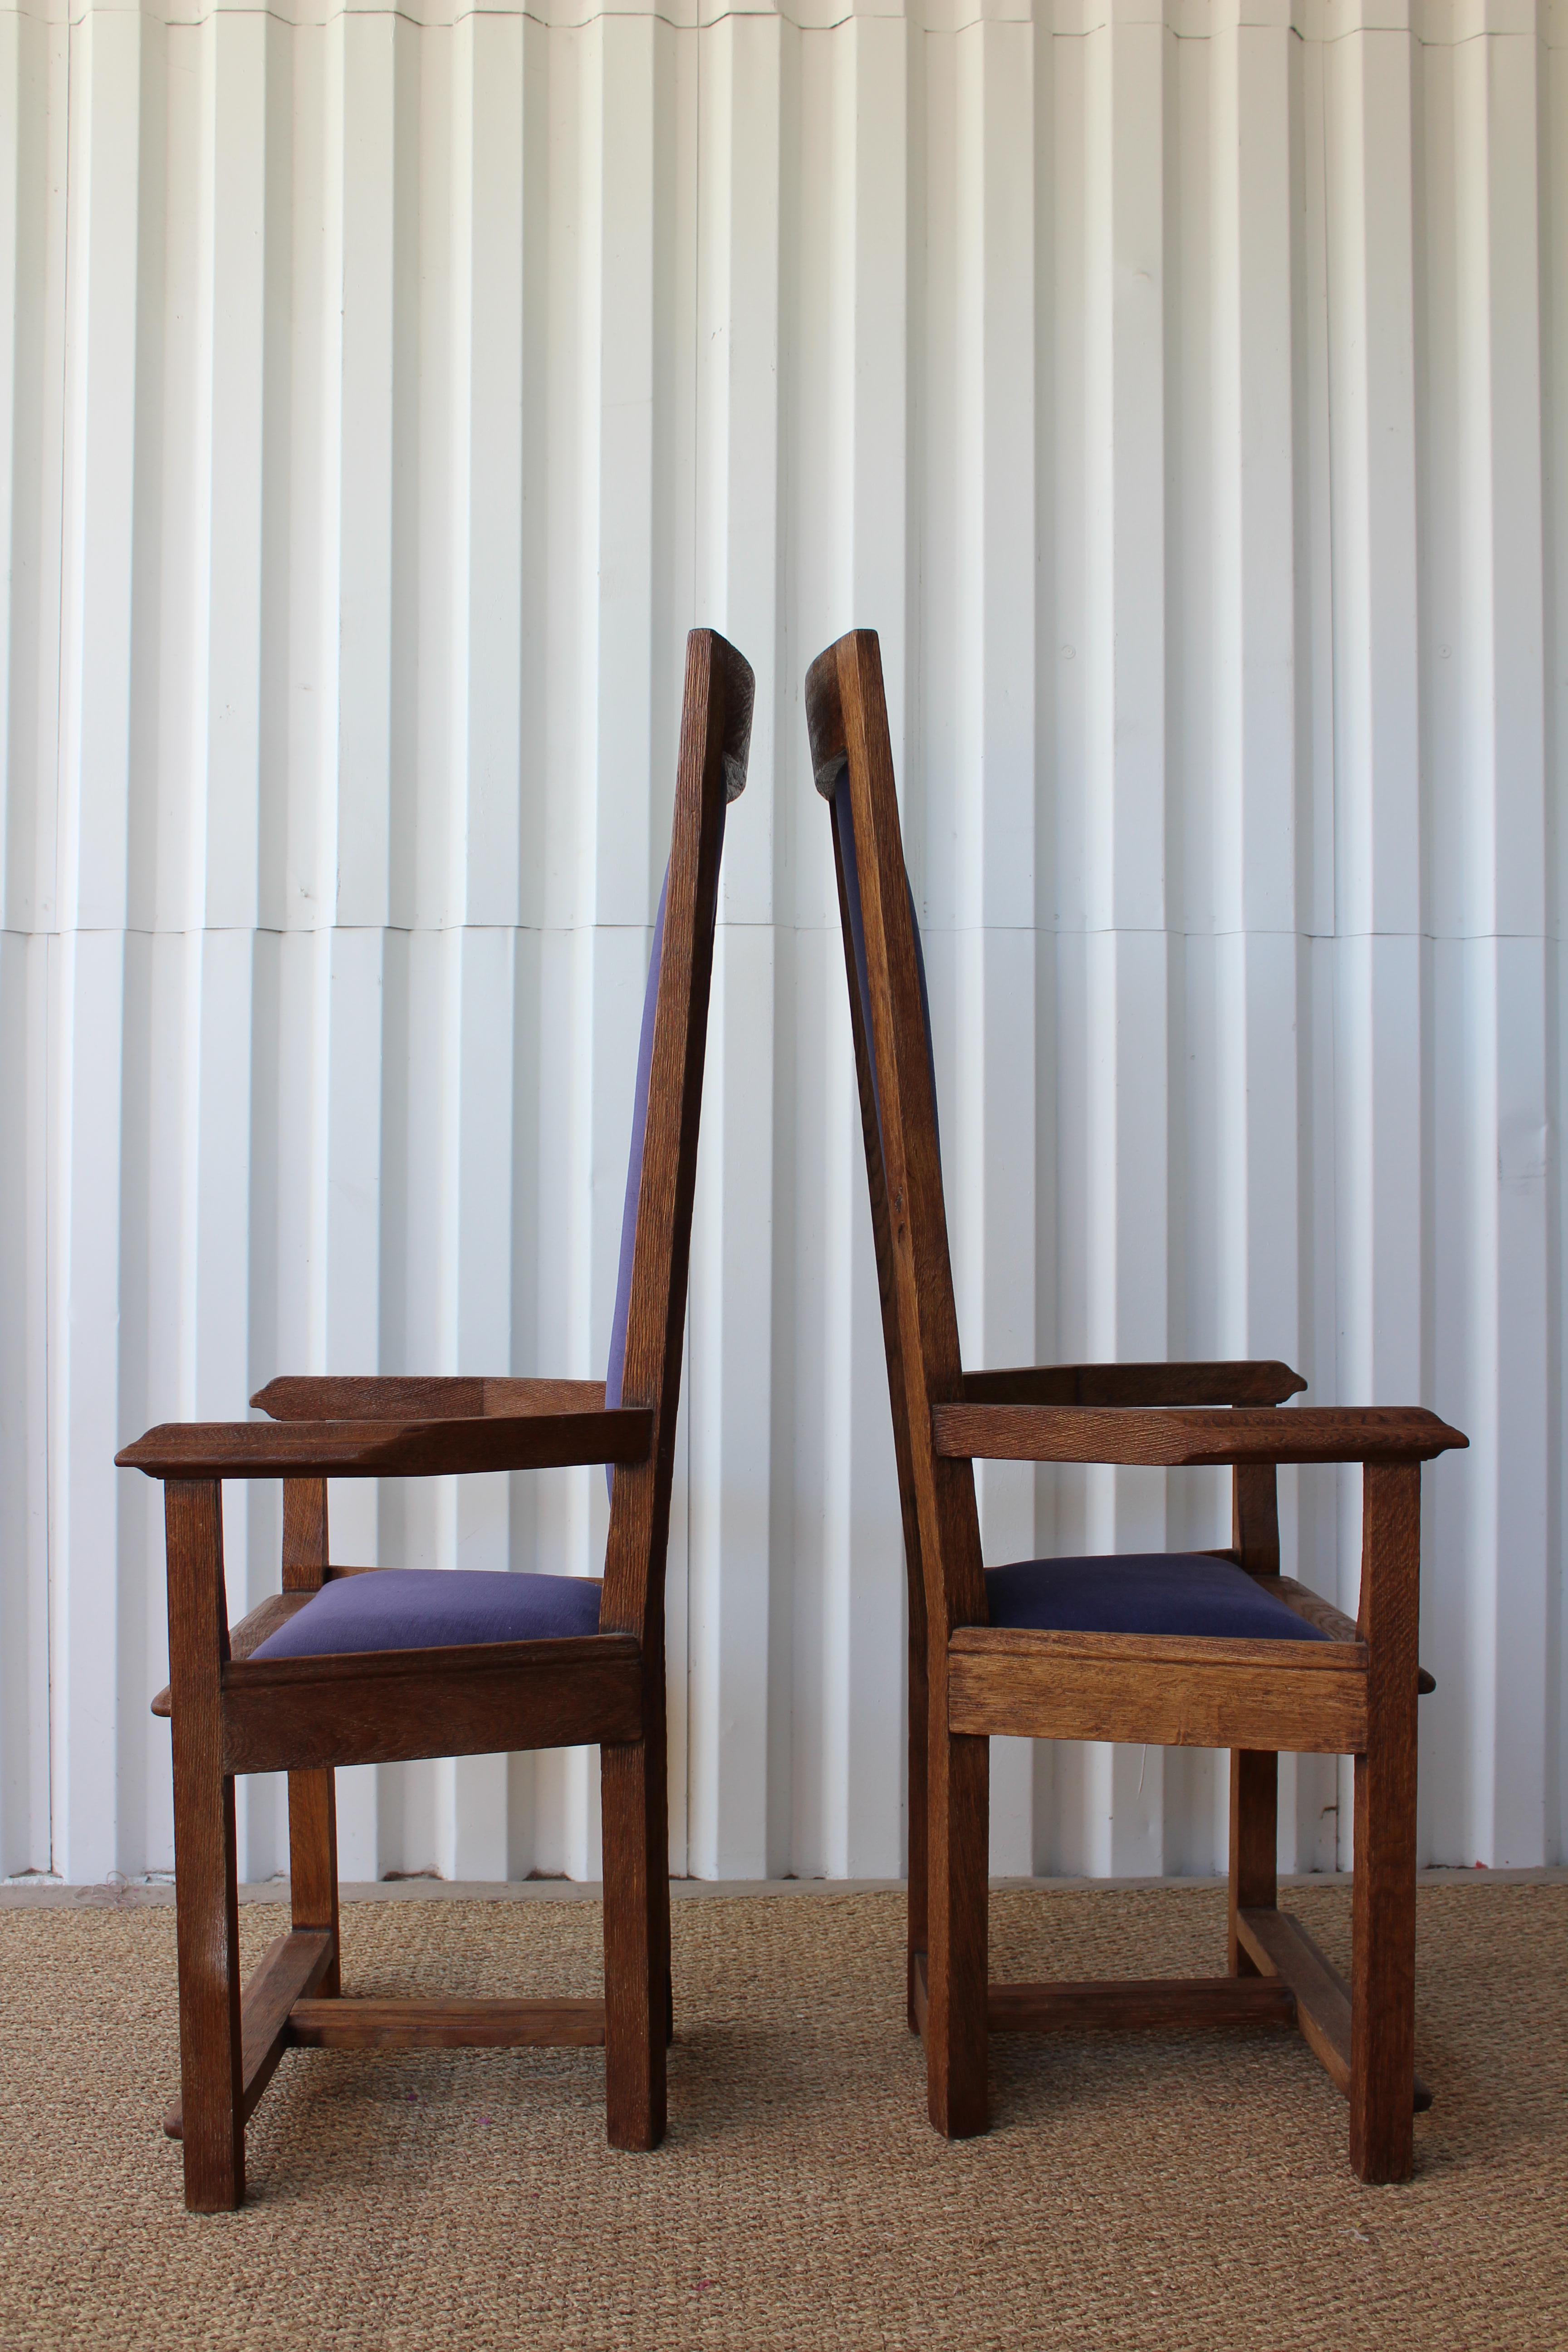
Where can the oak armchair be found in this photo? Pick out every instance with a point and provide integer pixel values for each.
(1183, 1649)
(353, 1666)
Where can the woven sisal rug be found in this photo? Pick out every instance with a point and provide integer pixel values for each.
(1158, 2190)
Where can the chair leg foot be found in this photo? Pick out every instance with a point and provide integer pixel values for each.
(637, 1944)
(958, 1965)
(207, 1936)
(1382, 1886)
(1382, 1991)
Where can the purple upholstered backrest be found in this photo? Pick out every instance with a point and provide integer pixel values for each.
(844, 810)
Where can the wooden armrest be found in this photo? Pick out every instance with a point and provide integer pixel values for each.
(1170, 1439)
(355, 1397)
(1131, 1384)
(389, 1449)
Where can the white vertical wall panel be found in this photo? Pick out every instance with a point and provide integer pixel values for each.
(1182, 390)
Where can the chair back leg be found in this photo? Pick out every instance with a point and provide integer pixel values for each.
(1254, 1842)
(313, 1863)
(638, 2004)
(919, 1937)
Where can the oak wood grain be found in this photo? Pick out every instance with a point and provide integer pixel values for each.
(1281, 1946)
(1136, 2002)
(1254, 1841)
(455, 1397)
(384, 1449)
(967, 1682)
(1122, 2004)
(1172, 1439)
(239, 1713)
(1383, 1891)
(206, 1882)
(1134, 1384)
(258, 1626)
(1064, 1696)
(448, 2024)
(293, 1966)
(382, 1706)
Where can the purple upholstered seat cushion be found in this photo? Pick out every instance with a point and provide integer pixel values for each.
(1142, 1592)
(435, 1609)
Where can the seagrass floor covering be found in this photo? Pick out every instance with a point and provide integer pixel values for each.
(1160, 2190)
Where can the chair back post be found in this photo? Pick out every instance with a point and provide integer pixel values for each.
(715, 729)
(847, 715)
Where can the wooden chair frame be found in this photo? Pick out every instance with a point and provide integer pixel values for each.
(307, 1715)
(1351, 1693)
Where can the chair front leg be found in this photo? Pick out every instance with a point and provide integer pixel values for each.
(1383, 1972)
(1254, 1841)
(206, 1890)
(638, 2005)
(314, 1864)
(959, 1785)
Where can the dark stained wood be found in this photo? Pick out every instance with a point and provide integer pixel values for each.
(1122, 2005)
(1382, 1898)
(1254, 1841)
(1315, 1609)
(636, 1942)
(1254, 1518)
(919, 1694)
(1173, 1439)
(847, 712)
(312, 1795)
(313, 1866)
(1153, 2001)
(969, 1681)
(306, 1715)
(207, 1922)
(1281, 1946)
(373, 1397)
(384, 1449)
(250, 1632)
(1038, 1644)
(358, 2024)
(305, 1540)
(385, 1707)
(1134, 1384)
(291, 1967)
(714, 734)
(1066, 1695)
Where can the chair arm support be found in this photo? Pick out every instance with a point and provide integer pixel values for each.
(1171, 1440)
(389, 1449)
(1132, 1384)
(355, 1397)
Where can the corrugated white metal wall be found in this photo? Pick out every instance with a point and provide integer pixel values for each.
(1183, 395)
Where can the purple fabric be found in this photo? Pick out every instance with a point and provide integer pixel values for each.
(844, 809)
(1142, 1592)
(435, 1609)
